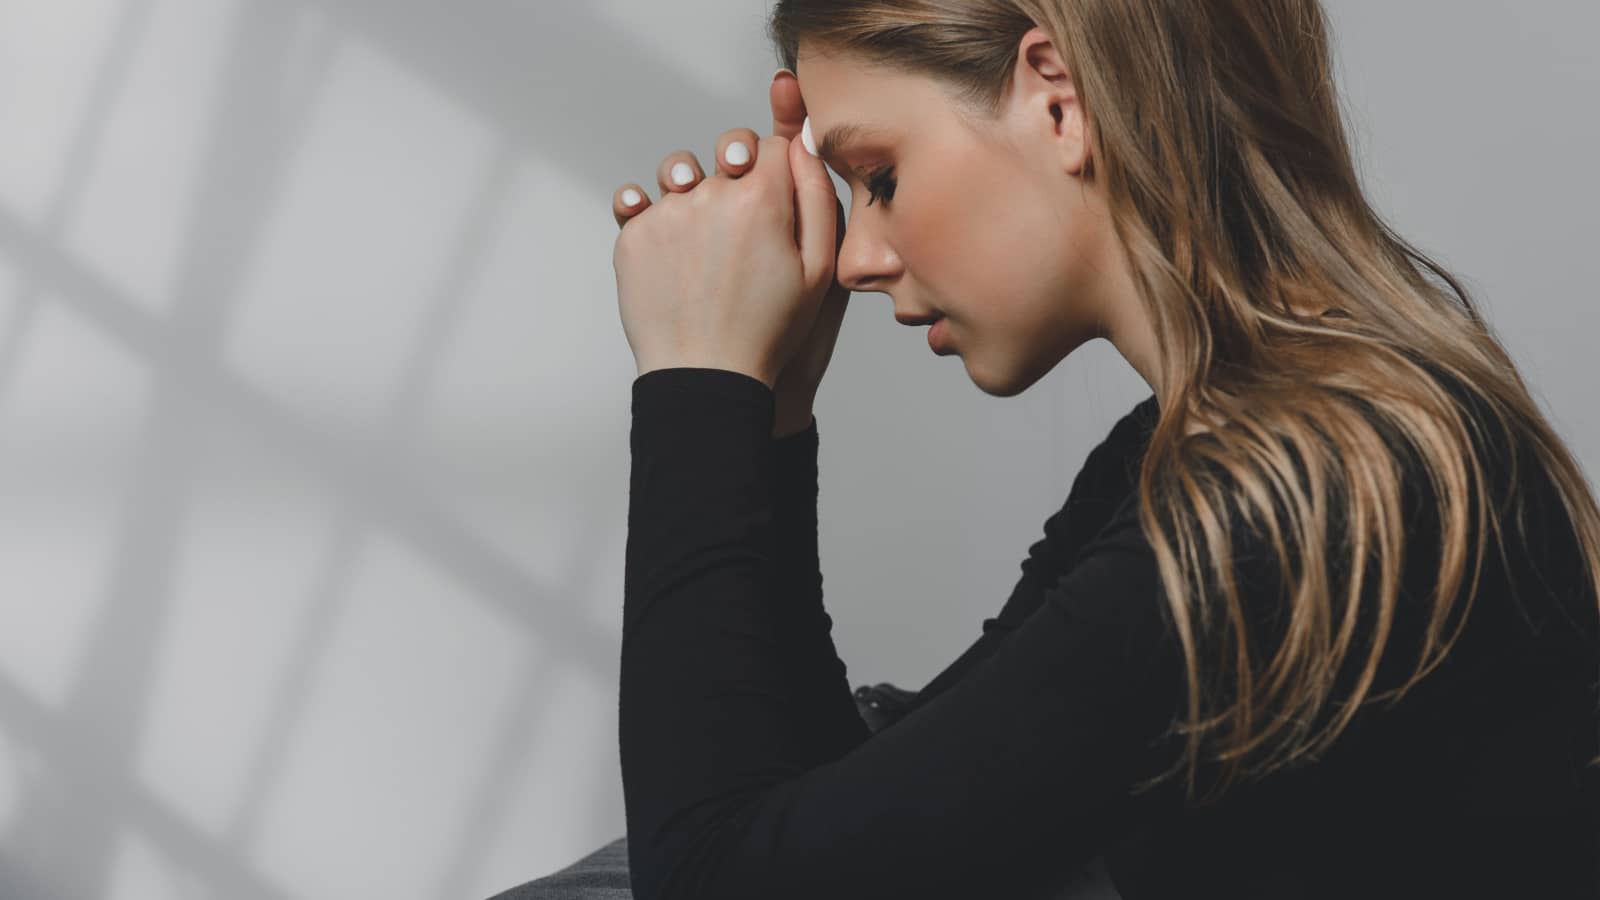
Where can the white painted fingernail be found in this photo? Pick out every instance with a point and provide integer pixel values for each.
(682, 173)
(630, 197)
(805, 137)
(737, 154)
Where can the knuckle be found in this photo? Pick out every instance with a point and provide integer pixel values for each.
(709, 191)
(636, 230)
(761, 203)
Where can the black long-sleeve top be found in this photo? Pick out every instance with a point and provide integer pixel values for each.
(747, 771)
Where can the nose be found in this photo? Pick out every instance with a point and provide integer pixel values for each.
(866, 262)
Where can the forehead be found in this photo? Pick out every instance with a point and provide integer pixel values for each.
(853, 102)
(833, 78)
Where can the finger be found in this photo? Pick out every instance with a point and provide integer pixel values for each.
(772, 162)
(619, 203)
(788, 107)
(816, 210)
(679, 163)
(838, 225)
(736, 144)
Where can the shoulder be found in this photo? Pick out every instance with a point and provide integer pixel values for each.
(1237, 485)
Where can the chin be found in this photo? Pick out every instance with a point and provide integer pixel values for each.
(996, 384)
(1006, 382)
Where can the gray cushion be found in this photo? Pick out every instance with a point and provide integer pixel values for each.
(602, 875)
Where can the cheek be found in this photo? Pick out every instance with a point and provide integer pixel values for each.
(988, 246)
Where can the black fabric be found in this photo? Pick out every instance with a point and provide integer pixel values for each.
(883, 704)
(747, 770)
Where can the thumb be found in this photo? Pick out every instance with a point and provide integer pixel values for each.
(816, 208)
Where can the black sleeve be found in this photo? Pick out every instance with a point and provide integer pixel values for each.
(1002, 786)
(833, 725)
(1108, 476)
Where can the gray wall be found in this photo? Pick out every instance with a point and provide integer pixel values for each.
(314, 409)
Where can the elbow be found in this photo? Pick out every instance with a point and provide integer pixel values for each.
(688, 855)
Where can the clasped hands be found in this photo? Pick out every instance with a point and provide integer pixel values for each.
(736, 271)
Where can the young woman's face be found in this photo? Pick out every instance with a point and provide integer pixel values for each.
(989, 226)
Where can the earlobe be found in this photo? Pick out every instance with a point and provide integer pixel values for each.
(1073, 137)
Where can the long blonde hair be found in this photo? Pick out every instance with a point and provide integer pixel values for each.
(1233, 192)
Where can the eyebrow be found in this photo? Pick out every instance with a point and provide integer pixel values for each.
(839, 136)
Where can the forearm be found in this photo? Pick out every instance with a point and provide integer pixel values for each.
(835, 724)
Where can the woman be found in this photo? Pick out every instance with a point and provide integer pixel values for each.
(1319, 619)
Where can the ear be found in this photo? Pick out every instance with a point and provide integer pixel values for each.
(1042, 87)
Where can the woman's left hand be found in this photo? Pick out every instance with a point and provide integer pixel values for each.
(729, 274)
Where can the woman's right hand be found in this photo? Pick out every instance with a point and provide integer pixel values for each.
(797, 384)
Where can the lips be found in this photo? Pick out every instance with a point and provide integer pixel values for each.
(914, 320)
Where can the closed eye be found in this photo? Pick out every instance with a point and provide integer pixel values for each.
(881, 185)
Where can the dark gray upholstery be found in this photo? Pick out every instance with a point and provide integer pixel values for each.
(602, 875)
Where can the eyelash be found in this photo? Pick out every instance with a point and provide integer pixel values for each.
(876, 184)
